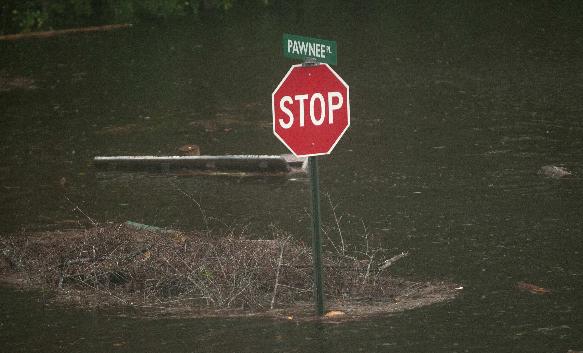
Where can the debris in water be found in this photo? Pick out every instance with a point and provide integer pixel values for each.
(334, 313)
(392, 260)
(554, 172)
(532, 288)
(189, 150)
(144, 266)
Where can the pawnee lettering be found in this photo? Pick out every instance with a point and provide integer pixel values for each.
(314, 50)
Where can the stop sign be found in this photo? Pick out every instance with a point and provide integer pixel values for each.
(311, 109)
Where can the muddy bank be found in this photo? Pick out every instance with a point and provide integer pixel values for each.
(175, 273)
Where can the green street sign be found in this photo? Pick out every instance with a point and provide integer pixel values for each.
(298, 47)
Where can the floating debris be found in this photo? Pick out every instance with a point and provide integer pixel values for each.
(334, 313)
(189, 150)
(531, 288)
(554, 172)
(392, 260)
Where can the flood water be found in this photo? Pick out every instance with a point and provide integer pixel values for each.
(455, 107)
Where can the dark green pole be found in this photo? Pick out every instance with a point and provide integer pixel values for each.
(316, 241)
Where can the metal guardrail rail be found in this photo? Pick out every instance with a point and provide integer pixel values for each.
(256, 164)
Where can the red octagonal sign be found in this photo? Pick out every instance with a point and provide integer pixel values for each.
(311, 109)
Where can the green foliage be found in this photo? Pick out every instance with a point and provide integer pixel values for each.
(35, 15)
(164, 9)
(226, 4)
(122, 10)
(29, 19)
(76, 8)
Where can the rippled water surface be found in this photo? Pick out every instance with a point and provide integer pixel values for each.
(455, 107)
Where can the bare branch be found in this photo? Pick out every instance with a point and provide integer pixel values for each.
(387, 263)
(277, 274)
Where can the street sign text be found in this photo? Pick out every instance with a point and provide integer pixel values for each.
(311, 109)
(298, 47)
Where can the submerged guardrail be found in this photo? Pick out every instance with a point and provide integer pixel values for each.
(224, 164)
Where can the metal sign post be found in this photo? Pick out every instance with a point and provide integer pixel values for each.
(316, 239)
(316, 222)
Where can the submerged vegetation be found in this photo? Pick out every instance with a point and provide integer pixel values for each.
(35, 15)
(119, 264)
